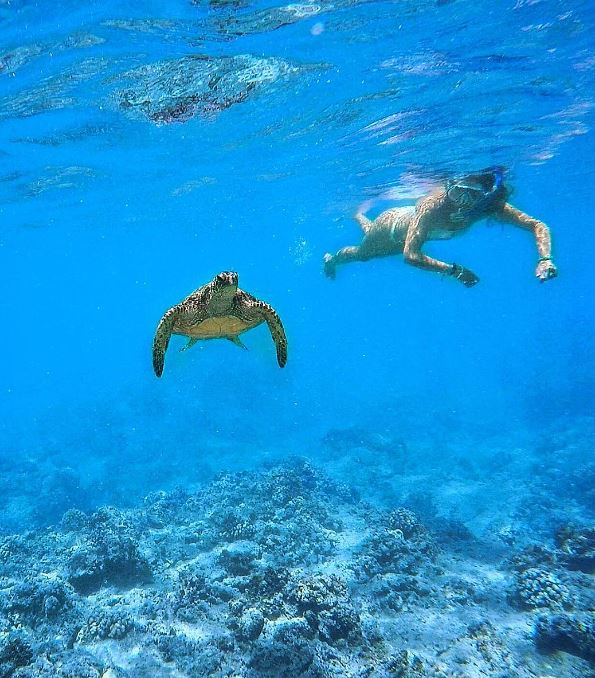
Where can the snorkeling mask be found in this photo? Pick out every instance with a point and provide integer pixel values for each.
(473, 198)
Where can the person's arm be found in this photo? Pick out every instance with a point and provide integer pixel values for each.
(426, 213)
(546, 268)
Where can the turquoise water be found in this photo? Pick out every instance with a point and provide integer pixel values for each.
(123, 189)
(109, 220)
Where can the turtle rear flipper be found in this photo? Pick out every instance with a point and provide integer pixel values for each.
(190, 344)
(237, 341)
(161, 340)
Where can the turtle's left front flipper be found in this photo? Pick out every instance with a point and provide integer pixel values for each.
(277, 332)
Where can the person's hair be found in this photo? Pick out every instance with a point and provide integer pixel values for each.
(486, 180)
(495, 196)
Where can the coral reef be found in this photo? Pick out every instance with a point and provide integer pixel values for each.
(399, 544)
(14, 653)
(37, 599)
(577, 547)
(324, 602)
(108, 555)
(278, 573)
(114, 624)
(538, 588)
(574, 633)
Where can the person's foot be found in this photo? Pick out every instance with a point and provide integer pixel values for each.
(330, 268)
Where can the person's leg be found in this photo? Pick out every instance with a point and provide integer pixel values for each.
(383, 237)
(343, 256)
(365, 224)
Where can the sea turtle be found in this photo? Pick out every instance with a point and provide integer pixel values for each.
(218, 310)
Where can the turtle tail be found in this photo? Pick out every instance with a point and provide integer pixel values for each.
(161, 340)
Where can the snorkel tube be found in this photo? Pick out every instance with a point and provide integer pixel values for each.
(497, 196)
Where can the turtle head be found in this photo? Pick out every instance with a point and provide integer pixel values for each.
(225, 286)
(226, 279)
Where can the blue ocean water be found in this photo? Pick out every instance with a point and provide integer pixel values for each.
(147, 146)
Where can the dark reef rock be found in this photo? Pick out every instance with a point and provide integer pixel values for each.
(577, 548)
(401, 544)
(233, 526)
(405, 664)
(451, 533)
(324, 602)
(316, 593)
(535, 555)
(267, 581)
(573, 633)
(164, 508)
(11, 547)
(73, 664)
(238, 561)
(341, 622)
(15, 652)
(406, 522)
(74, 520)
(194, 595)
(285, 651)
(251, 624)
(288, 515)
(38, 599)
(109, 556)
(397, 591)
(193, 658)
(114, 562)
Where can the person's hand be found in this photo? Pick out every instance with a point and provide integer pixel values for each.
(464, 275)
(330, 268)
(546, 270)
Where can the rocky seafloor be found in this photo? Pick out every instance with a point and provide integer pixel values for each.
(291, 571)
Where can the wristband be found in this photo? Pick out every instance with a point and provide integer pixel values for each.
(543, 259)
(456, 271)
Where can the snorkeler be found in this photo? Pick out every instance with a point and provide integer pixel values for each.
(443, 214)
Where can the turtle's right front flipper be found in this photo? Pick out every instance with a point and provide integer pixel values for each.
(277, 332)
(161, 340)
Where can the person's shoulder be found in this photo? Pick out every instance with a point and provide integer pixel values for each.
(431, 201)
